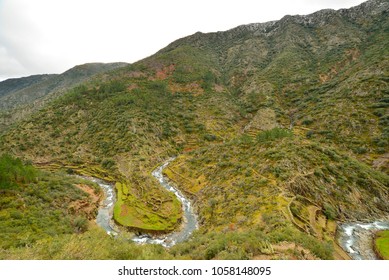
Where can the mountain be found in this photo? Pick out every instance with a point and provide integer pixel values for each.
(12, 85)
(22, 96)
(280, 132)
(310, 70)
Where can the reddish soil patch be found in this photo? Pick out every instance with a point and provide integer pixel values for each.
(193, 88)
(165, 72)
(88, 205)
(132, 86)
(136, 74)
(218, 88)
(124, 210)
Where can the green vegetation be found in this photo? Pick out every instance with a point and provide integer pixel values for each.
(382, 244)
(19, 98)
(13, 172)
(129, 212)
(284, 243)
(35, 205)
(280, 131)
(95, 244)
(106, 128)
(242, 184)
(275, 133)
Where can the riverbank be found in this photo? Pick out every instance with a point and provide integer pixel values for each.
(356, 238)
(188, 224)
(381, 244)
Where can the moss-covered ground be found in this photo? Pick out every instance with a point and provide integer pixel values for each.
(382, 244)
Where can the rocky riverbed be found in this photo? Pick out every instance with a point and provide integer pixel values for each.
(356, 238)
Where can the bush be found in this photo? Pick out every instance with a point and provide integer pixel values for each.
(80, 224)
(70, 171)
(273, 134)
(210, 137)
(307, 122)
(360, 150)
(159, 86)
(14, 172)
(108, 163)
(208, 81)
(111, 87)
(329, 211)
(309, 134)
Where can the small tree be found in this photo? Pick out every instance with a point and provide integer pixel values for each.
(80, 224)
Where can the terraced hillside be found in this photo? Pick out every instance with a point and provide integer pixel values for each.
(280, 130)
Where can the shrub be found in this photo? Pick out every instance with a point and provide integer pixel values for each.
(307, 122)
(111, 87)
(329, 211)
(80, 224)
(208, 80)
(108, 163)
(273, 134)
(209, 137)
(13, 171)
(360, 150)
(309, 134)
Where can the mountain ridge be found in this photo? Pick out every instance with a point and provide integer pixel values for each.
(370, 8)
(13, 84)
(31, 93)
(277, 138)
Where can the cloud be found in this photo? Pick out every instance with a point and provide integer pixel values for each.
(343, 3)
(45, 36)
(18, 37)
(9, 66)
(332, 4)
(52, 36)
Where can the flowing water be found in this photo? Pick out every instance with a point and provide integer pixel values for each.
(104, 215)
(357, 238)
(189, 223)
(354, 237)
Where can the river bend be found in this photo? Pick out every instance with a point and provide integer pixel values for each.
(189, 223)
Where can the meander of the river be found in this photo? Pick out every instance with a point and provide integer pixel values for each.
(356, 238)
(105, 213)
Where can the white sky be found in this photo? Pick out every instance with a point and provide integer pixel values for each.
(51, 36)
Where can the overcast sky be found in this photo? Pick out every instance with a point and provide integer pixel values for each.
(51, 36)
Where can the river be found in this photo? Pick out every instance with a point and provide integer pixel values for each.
(356, 238)
(189, 223)
(104, 215)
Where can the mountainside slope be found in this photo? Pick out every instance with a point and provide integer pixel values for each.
(324, 73)
(20, 97)
(280, 128)
(13, 85)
